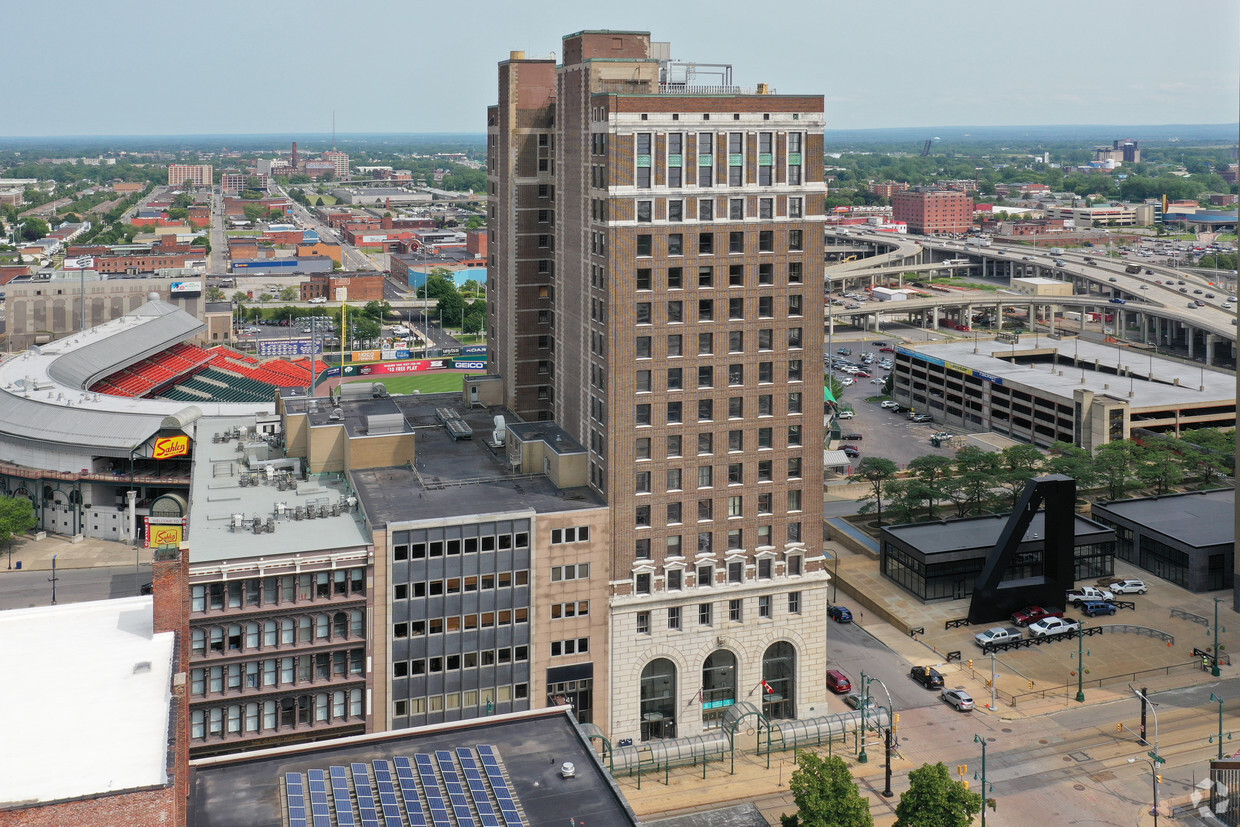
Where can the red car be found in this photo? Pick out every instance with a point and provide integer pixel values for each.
(887, 350)
(838, 682)
(1032, 614)
(862, 375)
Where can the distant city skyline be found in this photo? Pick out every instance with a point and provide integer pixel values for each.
(230, 67)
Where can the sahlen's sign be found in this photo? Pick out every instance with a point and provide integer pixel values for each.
(167, 447)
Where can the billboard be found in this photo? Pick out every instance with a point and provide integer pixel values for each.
(396, 368)
(163, 535)
(474, 350)
(185, 287)
(366, 356)
(167, 447)
(464, 364)
(289, 347)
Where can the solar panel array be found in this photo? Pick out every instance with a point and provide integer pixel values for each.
(440, 789)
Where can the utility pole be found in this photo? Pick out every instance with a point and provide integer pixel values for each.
(1219, 701)
(977, 739)
(862, 758)
(1155, 758)
(53, 578)
(1215, 670)
(1080, 663)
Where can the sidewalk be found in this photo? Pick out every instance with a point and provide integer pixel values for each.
(36, 555)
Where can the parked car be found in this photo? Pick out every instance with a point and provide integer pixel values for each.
(862, 374)
(927, 676)
(851, 452)
(1093, 608)
(885, 349)
(840, 614)
(1050, 626)
(997, 634)
(1032, 614)
(850, 436)
(921, 418)
(844, 351)
(888, 403)
(845, 415)
(1128, 587)
(846, 447)
(854, 700)
(958, 698)
(838, 682)
(319, 300)
(1081, 595)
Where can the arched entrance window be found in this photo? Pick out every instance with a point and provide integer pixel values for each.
(779, 671)
(718, 687)
(658, 700)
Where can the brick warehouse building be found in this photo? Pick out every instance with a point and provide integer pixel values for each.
(657, 279)
(931, 212)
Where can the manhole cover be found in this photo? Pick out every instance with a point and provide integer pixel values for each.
(1006, 729)
(991, 740)
(1079, 756)
(1043, 741)
(1078, 787)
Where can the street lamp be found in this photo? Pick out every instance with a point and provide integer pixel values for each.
(977, 739)
(888, 738)
(1154, 757)
(1153, 783)
(1214, 671)
(1219, 701)
(1080, 663)
(862, 758)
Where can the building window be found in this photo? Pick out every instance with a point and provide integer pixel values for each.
(673, 618)
(764, 568)
(643, 623)
(736, 610)
(675, 244)
(794, 603)
(645, 245)
(736, 242)
(704, 614)
(641, 415)
(764, 605)
(706, 209)
(643, 279)
(795, 240)
(642, 515)
(641, 548)
(736, 572)
(766, 241)
(705, 576)
(645, 211)
(675, 412)
(641, 583)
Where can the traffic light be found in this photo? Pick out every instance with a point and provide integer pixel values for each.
(1159, 777)
(970, 663)
(962, 769)
(966, 783)
(897, 718)
(1119, 727)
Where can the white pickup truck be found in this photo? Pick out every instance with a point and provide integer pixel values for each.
(997, 634)
(1087, 594)
(1049, 626)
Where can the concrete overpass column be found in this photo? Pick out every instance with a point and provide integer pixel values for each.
(1050, 317)
(1191, 335)
(1212, 341)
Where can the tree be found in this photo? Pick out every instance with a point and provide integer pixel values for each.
(877, 472)
(289, 294)
(265, 297)
(240, 297)
(1017, 464)
(215, 294)
(16, 518)
(1160, 467)
(931, 470)
(970, 489)
(1073, 461)
(366, 328)
(933, 799)
(377, 310)
(475, 317)
(1114, 463)
(825, 795)
(34, 228)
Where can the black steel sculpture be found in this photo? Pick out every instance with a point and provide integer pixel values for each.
(996, 599)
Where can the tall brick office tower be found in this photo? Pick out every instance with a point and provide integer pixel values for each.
(657, 290)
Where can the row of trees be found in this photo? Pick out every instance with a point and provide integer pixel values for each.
(826, 796)
(453, 305)
(982, 482)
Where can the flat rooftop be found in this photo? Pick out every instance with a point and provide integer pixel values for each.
(1016, 365)
(1199, 518)
(455, 478)
(973, 533)
(246, 790)
(218, 493)
(84, 704)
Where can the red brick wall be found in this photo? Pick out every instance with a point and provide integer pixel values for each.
(150, 808)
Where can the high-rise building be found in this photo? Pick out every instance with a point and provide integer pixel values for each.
(930, 212)
(200, 175)
(657, 272)
(340, 160)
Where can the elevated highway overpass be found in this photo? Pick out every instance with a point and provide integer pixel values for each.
(1155, 309)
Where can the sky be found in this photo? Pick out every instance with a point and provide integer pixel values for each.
(136, 67)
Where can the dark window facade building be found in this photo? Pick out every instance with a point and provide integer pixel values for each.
(942, 560)
(1186, 539)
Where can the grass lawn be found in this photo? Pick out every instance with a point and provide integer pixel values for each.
(328, 200)
(430, 382)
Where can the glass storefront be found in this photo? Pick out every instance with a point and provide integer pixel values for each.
(779, 669)
(658, 700)
(718, 687)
